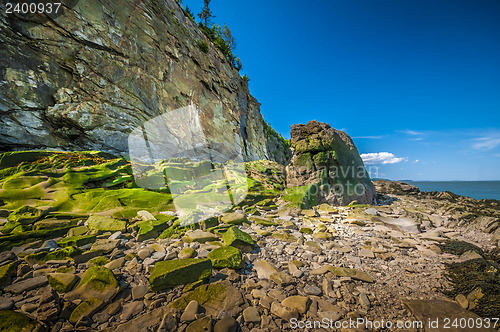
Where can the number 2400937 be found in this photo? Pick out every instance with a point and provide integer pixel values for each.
(33, 8)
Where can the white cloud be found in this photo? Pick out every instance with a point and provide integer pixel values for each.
(486, 143)
(411, 132)
(416, 161)
(381, 158)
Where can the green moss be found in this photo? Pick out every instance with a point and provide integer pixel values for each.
(13, 321)
(65, 269)
(99, 261)
(223, 257)
(12, 227)
(104, 224)
(44, 256)
(239, 239)
(25, 215)
(203, 294)
(76, 241)
(179, 272)
(11, 240)
(306, 230)
(86, 308)
(62, 282)
(98, 278)
(284, 237)
(6, 272)
(303, 196)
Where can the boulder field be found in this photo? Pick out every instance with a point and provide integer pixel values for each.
(83, 248)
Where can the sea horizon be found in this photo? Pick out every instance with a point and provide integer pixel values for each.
(481, 189)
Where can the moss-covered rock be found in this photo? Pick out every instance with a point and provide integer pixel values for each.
(53, 224)
(263, 221)
(13, 227)
(186, 252)
(234, 218)
(86, 308)
(25, 215)
(98, 282)
(179, 272)
(76, 241)
(44, 256)
(62, 282)
(228, 256)
(7, 272)
(105, 224)
(99, 261)
(203, 294)
(77, 231)
(239, 239)
(306, 230)
(13, 321)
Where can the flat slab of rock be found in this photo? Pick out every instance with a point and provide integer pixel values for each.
(26, 285)
(405, 225)
(179, 272)
(264, 269)
(199, 236)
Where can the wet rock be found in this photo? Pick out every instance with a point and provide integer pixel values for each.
(202, 324)
(226, 324)
(251, 315)
(226, 257)
(88, 307)
(239, 239)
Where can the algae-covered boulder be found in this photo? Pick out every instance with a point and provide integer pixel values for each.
(213, 297)
(76, 241)
(199, 236)
(234, 218)
(228, 256)
(13, 227)
(98, 282)
(62, 282)
(179, 272)
(104, 224)
(53, 224)
(25, 215)
(239, 239)
(44, 256)
(326, 167)
(86, 308)
(13, 321)
(77, 231)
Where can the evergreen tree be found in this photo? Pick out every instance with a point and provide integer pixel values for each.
(206, 14)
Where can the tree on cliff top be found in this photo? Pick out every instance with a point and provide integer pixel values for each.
(206, 14)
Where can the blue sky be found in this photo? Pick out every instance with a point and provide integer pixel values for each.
(416, 83)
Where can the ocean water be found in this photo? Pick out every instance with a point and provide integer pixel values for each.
(473, 189)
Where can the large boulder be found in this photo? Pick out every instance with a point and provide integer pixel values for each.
(97, 282)
(326, 168)
(394, 187)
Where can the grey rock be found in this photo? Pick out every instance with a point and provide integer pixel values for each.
(26, 285)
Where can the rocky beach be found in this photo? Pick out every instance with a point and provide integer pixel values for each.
(301, 238)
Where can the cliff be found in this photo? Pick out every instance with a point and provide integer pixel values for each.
(85, 78)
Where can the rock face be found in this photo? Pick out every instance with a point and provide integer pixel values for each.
(86, 78)
(326, 166)
(394, 187)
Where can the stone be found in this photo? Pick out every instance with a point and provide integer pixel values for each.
(15, 321)
(214, 297)
(202, 324)
(103, 224)
(371, 211)
(199, 236)
(87, 308)
(366, 253)
(76, 241)
(158, 319)
(364, 301)
(309, 213)
(25, 215)
(78, 231)
(313, 247)
(138, 292)
(316, 149)
(186, 252)
(131, 310)
(145, 215)
(264, 269)
(97, 282)
(226, 324)
(281, 278)
(115, 264)
(62, 282)
(352, 273)
(332, 316)
(251, 315)
(144, 253)
(234, 218)
(471, 254)
(179, 272)
(7, 256)
(190, 312)
(7, 271)
(425, 310)
(6, 303)
(283, 312)
(105, 245)
(116, 235)
(239, 239)
(227, 256)
(26, 285)
(297, 302)
(462, 300)
(312, 290)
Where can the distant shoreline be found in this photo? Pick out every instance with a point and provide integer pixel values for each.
(473, 189)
